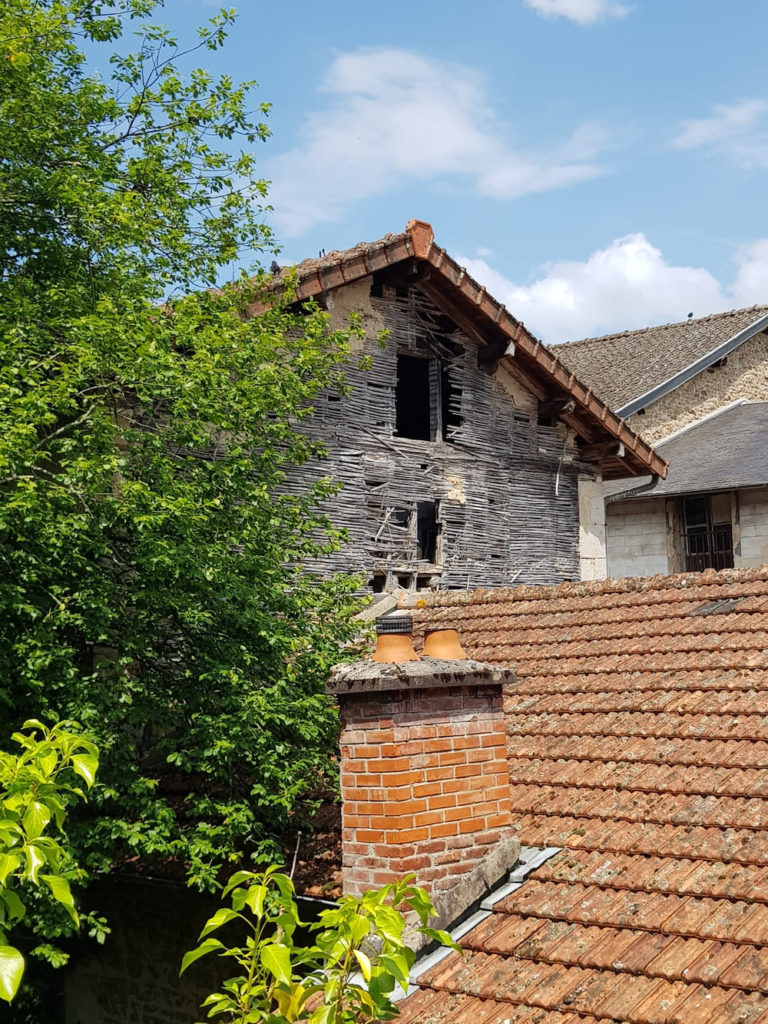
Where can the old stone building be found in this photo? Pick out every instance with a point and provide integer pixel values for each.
(464, 443)
(696, 390)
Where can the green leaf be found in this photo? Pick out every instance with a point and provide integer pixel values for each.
(365, 963)
(34, 861)
(16, 909)
(61, 893)
(9, 862)
(397, 966)
(209, 946)
(11, 971)
(35, 819)
(86, 766)
(277, 960)
(221, 917)
(255, 899)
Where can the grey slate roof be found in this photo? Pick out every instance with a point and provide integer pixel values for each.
(722, 453)
(622, 367)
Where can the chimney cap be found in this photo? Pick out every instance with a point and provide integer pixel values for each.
(396, 623)
(360, 677)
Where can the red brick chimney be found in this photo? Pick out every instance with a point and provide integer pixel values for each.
(424, 778)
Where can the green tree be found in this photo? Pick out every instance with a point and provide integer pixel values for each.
(36, 788)
(151, 580)
(347, 975)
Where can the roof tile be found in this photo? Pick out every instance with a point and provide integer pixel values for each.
(638, 741)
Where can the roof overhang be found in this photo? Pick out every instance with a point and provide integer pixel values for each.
(606, 441)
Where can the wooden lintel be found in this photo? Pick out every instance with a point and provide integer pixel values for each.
(451, 310)
(513, 368)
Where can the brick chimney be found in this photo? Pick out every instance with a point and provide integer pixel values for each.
(424, 778)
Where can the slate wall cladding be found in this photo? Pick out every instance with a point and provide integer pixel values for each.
(744, 375)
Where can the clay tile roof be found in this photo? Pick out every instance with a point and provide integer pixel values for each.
(638, 742)
(623, 367)
(618, 450)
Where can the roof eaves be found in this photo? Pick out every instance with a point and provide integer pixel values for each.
(543, 357)
(694, 368)
(418, 241)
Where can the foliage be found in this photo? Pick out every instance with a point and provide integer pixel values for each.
(348, 974)
(36, 788)
(151, 579)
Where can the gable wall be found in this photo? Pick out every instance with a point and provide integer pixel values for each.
(506, 488)
(745, 375)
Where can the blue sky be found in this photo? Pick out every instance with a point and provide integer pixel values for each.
(600, 164)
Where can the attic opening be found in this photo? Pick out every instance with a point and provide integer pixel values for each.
(427, 400)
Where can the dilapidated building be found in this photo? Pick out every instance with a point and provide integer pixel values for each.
(464, 444)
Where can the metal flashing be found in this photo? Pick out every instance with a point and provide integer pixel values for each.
(531, 857)
(693, 368)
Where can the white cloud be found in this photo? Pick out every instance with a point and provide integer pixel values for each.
(750, 286)
(583, 12)
(394, 117)
(625, 286)
(740, 130)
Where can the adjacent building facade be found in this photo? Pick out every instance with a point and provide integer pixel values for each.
(697, 391)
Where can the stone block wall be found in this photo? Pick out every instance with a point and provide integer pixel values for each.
(752, 548)
(637, 538)
(592, 554)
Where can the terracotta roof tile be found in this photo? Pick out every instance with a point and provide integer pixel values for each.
(637, 736)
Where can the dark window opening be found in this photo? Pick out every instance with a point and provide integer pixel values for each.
(404, 580)
(412, 407)
(377, 582)
(427, 530)
(707, 544)
(547, 413)
(427, 402)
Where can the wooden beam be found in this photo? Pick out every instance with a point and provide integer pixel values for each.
(451, 310)
(514, 369)
(577, 423)
(600, 450)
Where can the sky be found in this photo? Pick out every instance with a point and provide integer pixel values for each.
(600, 165)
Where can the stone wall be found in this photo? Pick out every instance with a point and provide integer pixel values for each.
(744, 375)
(636, 538)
